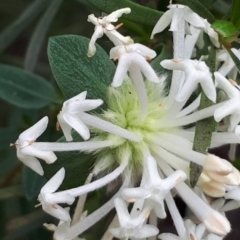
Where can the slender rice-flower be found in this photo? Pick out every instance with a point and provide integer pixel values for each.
(28, 152)
(104, 26)
(143, 140)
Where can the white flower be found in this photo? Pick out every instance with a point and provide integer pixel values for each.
(211, 33)
(133, 58)
(104, 26)
(193, 232)
(195, 72)
(28, 153)
(230, 107)
(49, 201)
(175, 15)
(69, 117)
(132, 227)
(61, 229)
(228, 66)
(154, 189)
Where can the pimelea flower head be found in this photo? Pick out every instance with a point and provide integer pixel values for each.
(141, 139)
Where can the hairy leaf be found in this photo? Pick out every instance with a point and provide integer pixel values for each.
(24, 89)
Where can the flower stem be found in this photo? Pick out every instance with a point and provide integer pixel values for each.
(204, 128)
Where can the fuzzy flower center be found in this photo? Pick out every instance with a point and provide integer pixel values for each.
(124, 111)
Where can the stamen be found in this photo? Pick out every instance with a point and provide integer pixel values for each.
(57, 126)
(38, 205)
(118, 26)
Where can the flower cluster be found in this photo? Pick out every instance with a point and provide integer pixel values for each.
(143, 137)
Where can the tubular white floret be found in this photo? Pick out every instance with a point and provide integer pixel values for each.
(104, 26)
(28, 153)
(69, 119)
(195, 72)
(49, 201)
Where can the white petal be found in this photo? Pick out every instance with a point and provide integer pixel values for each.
(176, 19)
(35, 131)
(200, 229)
(33, 163)
(65, 127)
(229, 107)
(130, 194)
(141, 49)
(57, 212)
(88, 105)
(93, 19)
(98, 33)
(208, 87)
(145, 67)
(159, 209)
(234, 120)
(77, 125)
(162, 23)
(121, 71)
(48, 156)
(187, 89)
(234, 194)
(226, 86)
(122, 212)
(168, 236)
(116, 232)
(193, 18)
(113, 17)
(80, 97)
(146, 231)
(54, 183)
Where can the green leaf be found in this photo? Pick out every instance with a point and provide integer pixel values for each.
(198, 8)
(21, 23)
(206, 3)
(7, 135)
(138, 13)
(32, 183)
(235, 18)
(74, 71)
(224, 28)
(77, 166)
(24, 89)
(39, 35)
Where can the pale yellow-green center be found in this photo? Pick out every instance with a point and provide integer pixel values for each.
(124, 111)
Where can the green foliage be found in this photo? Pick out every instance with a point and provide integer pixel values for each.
(199, 8)
(74, 71)
(226, 30)
(21, 23)
(24, 89)
(32, 183)
(235, 17)
(138, 13)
